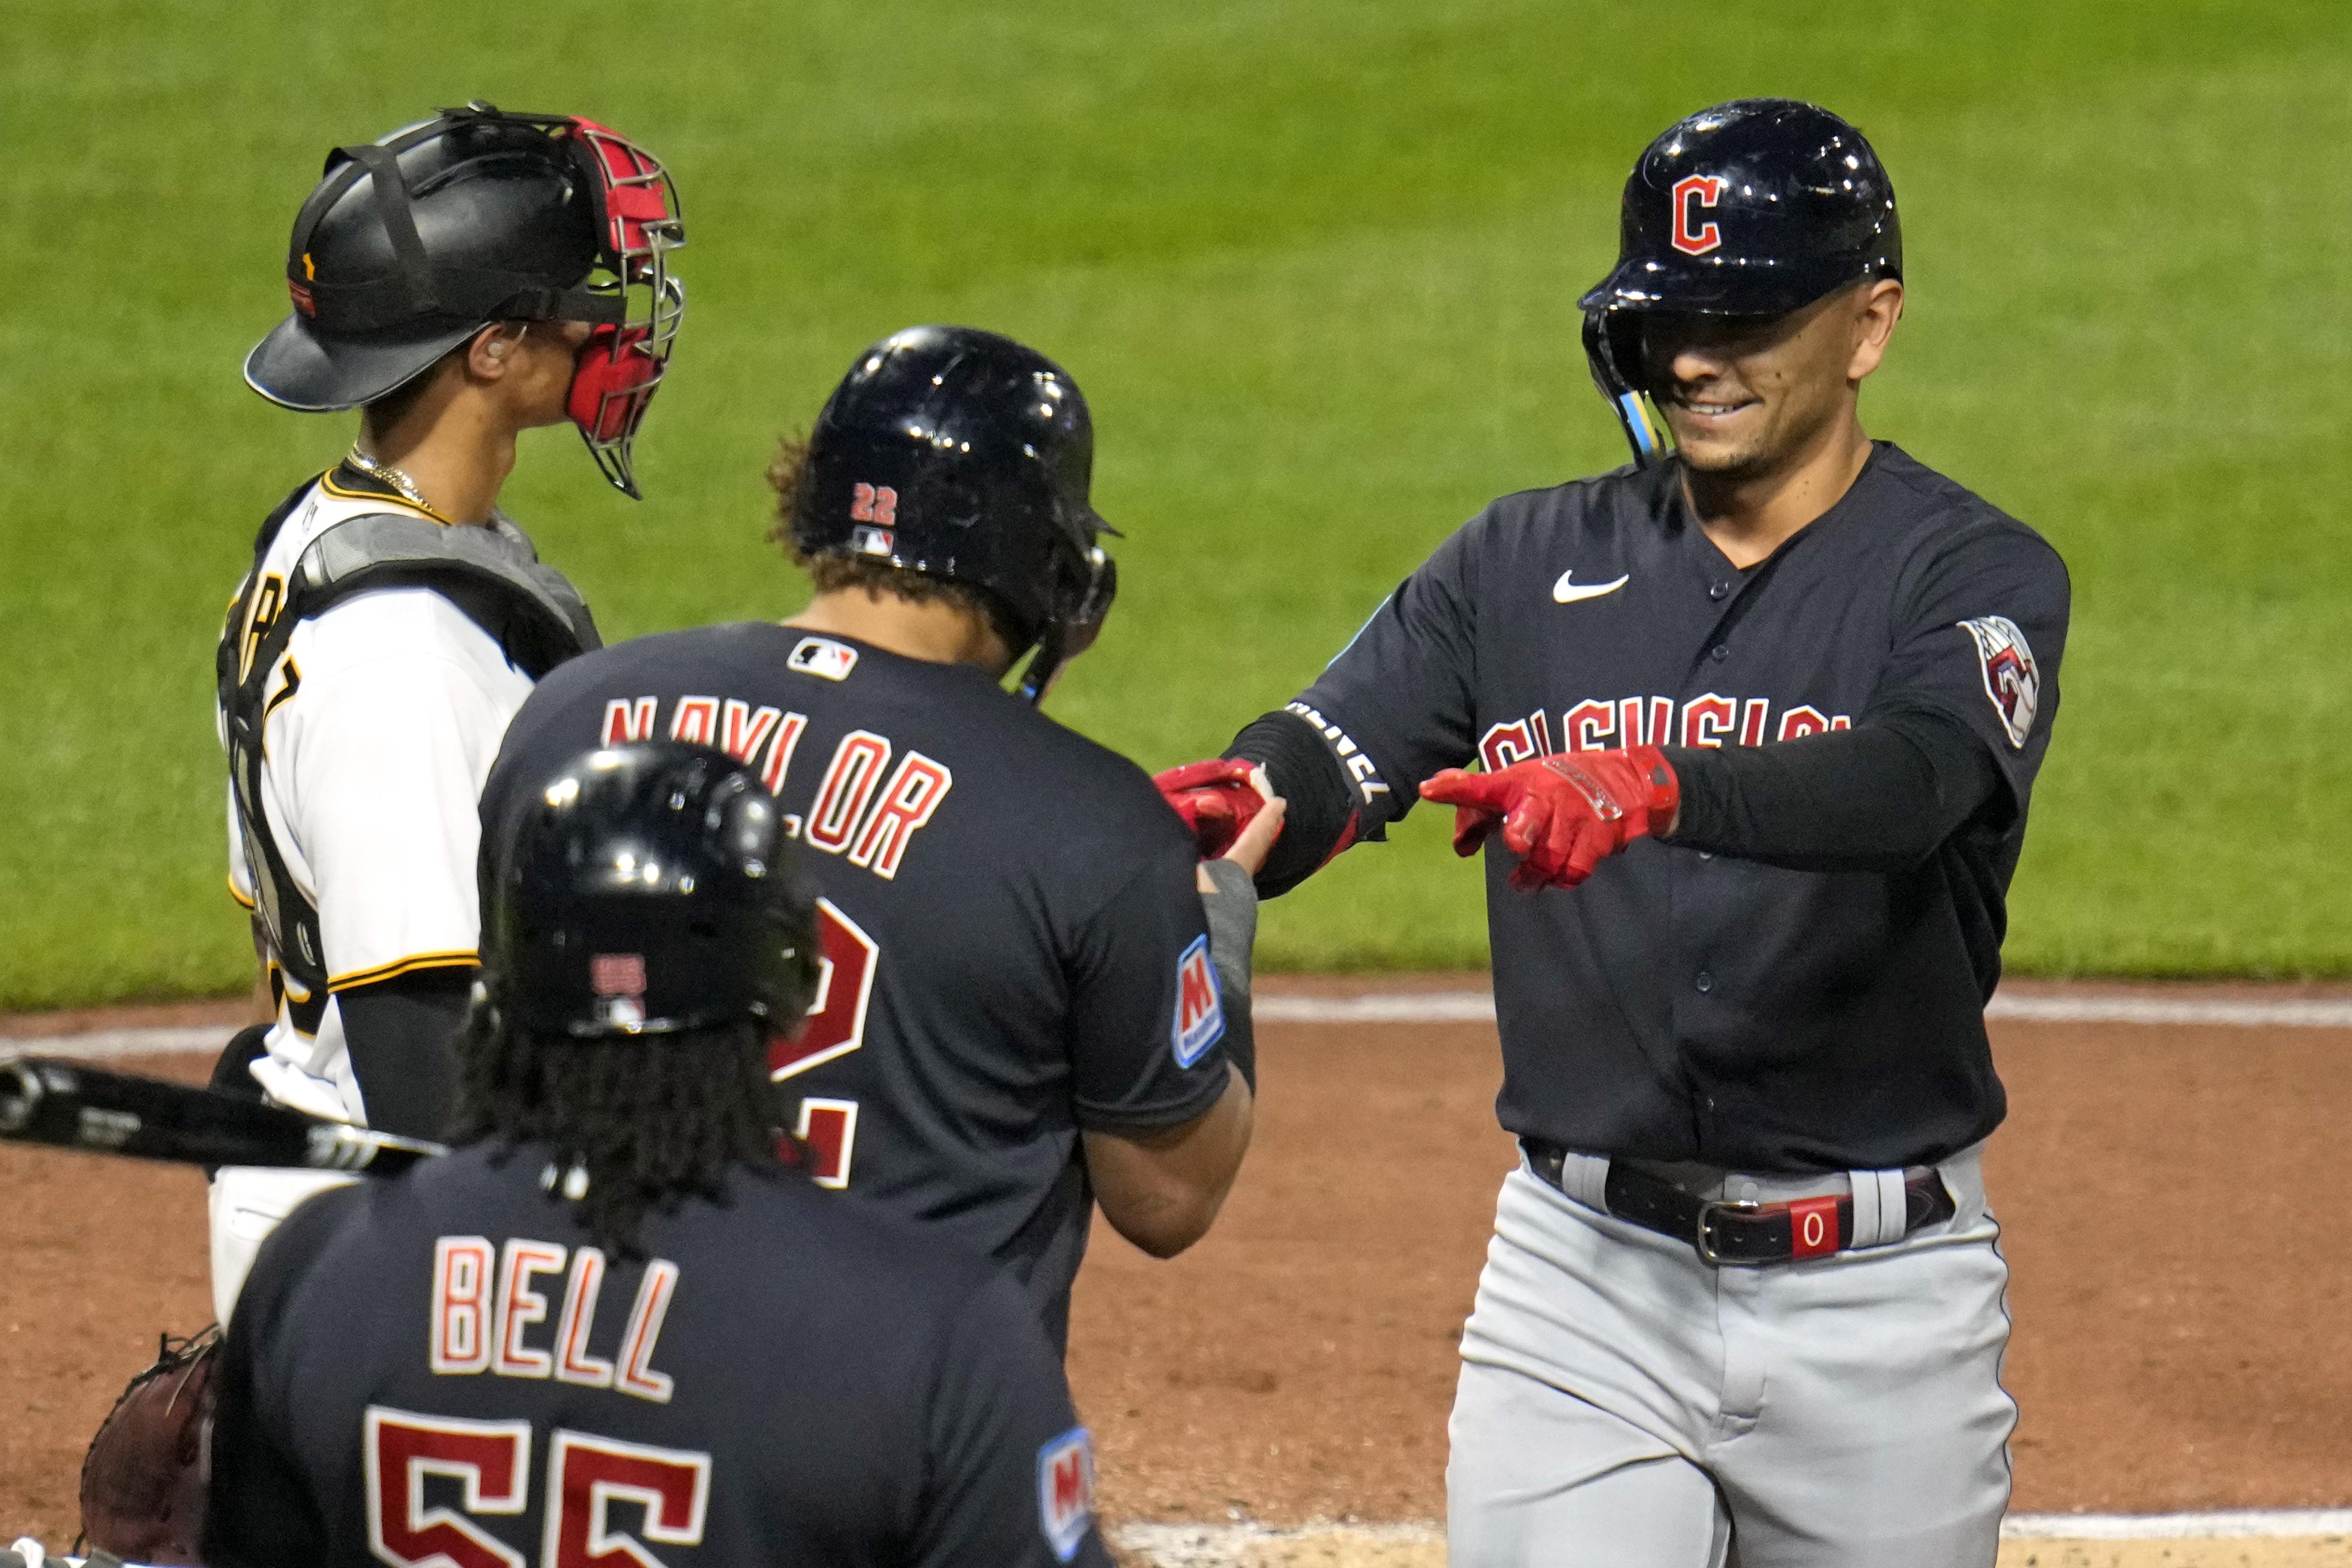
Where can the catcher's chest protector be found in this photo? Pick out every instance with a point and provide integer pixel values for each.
(489, 572)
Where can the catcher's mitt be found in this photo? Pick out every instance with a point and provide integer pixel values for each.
(143, 1481)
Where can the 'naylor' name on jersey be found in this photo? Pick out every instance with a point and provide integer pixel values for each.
(1600, 724)
(485, 1309)
(854, 812)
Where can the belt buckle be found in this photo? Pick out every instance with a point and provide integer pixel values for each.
(1708, 1210)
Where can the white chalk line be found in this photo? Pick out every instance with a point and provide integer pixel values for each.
(1478, 1007)
(2234, 1524)
(103, 1045)
(1437, 1008)
(1214, 1545)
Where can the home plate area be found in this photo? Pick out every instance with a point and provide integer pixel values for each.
(1278, 1395)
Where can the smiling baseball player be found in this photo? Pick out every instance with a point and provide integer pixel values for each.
(458, 282)
(1758, 719)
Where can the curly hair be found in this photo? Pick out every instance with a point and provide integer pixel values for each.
(647, 1120)
(834, 573)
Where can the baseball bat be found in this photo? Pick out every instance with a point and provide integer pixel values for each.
(68, 1105)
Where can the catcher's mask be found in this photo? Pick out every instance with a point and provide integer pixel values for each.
(1752, 208)
(965, 456)
(646, 889)
(409, 246)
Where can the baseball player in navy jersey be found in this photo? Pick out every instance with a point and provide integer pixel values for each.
(1029, 1004)
(1756, 721)
(614, 1326)
(458, 282)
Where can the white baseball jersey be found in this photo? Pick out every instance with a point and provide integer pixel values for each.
(384, 716)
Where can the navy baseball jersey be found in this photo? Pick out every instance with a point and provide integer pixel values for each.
(438, 1369)
(1686, 1006)
(1014, 944)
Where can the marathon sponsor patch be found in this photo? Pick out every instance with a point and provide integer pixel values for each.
(2012, 679)
(1065, 1491)
(822, 657)
(1200, 1014)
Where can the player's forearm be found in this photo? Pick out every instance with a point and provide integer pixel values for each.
(1879, 797)
(1161, 1189)
(402, 1035)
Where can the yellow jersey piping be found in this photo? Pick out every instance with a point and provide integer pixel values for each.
(327, 483)
(399, 966)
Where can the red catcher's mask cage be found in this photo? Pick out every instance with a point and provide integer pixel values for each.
(620, 365)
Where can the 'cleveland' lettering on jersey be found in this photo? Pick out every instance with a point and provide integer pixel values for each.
(1600, 724)
(1684, 1006)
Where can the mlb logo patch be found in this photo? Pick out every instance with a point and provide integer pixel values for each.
(1200, 1014)
(822, 657)
(872, 541)
(1065, 1491)
(2012, 678)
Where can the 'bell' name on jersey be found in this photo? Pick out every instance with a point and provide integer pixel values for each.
(444, 1369)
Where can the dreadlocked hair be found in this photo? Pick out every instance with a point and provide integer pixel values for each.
(647, 1121)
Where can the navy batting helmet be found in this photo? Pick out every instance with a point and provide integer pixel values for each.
(644, 889)
(964, 456)
(1756, 208)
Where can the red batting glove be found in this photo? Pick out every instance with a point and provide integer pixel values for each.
(1562, 814)
(1215, 798)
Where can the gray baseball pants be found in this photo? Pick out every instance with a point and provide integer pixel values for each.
(1624, 1405)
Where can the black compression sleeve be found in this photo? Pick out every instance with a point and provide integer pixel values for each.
(1321, 808)
(1878, 797)
(402, 1033)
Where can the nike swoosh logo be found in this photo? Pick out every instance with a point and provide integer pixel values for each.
(1565, 591)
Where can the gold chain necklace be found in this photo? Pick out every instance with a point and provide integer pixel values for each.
(385, 473)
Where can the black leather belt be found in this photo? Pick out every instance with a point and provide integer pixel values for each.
(1743, 1233)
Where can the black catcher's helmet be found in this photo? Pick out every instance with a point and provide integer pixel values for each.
(961, 455)
(643, 889)
(1756, 208)
(410, 246)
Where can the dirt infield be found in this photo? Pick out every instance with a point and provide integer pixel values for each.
(2180, 1292)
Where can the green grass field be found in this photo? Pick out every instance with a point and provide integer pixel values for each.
(1314, 263)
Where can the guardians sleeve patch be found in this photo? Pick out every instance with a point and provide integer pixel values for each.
(2012, 678)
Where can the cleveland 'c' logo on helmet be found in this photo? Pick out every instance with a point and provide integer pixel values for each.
(1691, 193)
(2011, 678)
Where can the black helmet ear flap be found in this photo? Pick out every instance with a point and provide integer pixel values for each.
(1076, 623)
(1613, 349)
